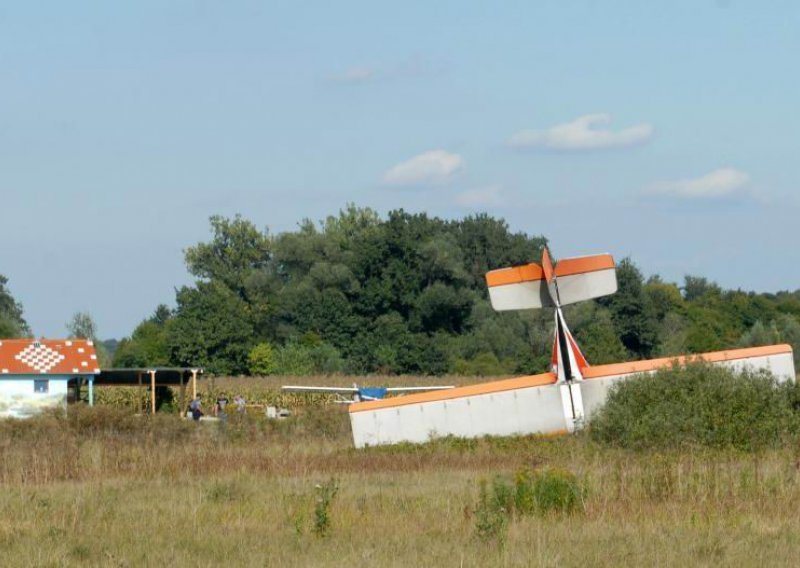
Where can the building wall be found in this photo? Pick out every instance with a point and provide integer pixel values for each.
(18, 398)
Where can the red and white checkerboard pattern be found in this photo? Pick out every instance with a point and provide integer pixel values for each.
(39, 357)
(47, 357)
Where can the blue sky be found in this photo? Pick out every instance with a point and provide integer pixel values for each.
(667, 131)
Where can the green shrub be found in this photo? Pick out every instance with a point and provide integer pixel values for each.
(698, 404)
(548, 491)
(326, 359)
(261, 360)
(533, 492)
(304, 358)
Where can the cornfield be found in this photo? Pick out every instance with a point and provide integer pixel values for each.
(260, 392)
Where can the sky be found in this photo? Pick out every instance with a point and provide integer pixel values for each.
(663, 131)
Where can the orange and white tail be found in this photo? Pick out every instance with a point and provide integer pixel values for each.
(572, 280)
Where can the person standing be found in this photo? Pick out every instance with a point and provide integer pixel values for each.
(219, 408)
(196, 408)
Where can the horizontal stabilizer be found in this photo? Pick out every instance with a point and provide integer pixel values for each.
(518, 288)
(577, 279)
(585, 277)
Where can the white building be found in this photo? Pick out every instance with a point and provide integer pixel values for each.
(38, 374)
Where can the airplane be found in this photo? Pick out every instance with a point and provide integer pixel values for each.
(359, 394)
(557, 402)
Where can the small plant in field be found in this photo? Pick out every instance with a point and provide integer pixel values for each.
(223, 492)
(326, 493)
(531, 493)
(493, 512)
(548, 491)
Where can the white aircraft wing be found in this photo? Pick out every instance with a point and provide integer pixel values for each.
(332, 390)
(418, 389)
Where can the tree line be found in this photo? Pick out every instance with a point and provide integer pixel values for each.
(405, 294)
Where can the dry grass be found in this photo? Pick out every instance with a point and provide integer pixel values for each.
(103, 487)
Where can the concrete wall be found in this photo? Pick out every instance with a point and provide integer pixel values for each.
(19, 400)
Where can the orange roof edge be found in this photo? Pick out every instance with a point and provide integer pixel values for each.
(458, 392)
(600, 371)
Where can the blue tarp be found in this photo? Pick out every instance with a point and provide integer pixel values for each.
(372, 393)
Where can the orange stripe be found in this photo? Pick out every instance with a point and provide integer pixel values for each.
(514, 275)
(601, 371)
(471, 390)
(584, 264)
(547, 265)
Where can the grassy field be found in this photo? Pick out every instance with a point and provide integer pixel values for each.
(103, 487)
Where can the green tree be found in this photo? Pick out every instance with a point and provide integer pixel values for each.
(599, 340)
(82, 326)
(789, 332)
(211, 329)
(696, 288)
(148, 344)
(632, 312)
(12, 322)
(236, 250)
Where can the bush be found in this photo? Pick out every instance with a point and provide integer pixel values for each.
(542, 492)
(294, 359)
(261, 360)
(548, 491)
(698, 404)
(302, 358)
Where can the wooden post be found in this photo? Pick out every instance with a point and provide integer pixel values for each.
(139, 408)
(182, 408)
(194, 384)
(152, 391)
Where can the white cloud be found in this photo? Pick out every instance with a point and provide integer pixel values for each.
(719, 183)
(355, 75)
(580, 134)
(480, 197)
(435, 166)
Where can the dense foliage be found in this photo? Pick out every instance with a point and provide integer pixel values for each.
(358, 293)
(702, 405)
(12, 324)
